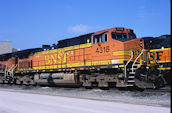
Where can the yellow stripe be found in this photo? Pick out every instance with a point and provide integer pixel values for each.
(165, 68)
(160, 49)
(75, 64)
(105, 62)
(121, 53)
(127, 52)
(168, 61)
(121, 65)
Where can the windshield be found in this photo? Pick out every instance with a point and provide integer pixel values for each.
(131, 36)
(122, 36)
(119, 35)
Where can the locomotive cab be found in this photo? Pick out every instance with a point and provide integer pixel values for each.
(108, 44)
(120, 34)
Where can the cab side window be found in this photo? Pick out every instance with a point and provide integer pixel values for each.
(101, 38)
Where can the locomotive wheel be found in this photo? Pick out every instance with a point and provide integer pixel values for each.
(159, 83)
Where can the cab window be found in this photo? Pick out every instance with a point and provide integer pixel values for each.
(131, 36)
(101, 38)
(123, 36)
(119, 35)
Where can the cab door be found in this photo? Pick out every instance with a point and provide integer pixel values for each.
(101, 49)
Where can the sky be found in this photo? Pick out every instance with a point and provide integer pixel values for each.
(33, 23)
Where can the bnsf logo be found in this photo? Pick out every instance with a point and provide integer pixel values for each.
(56, 58)
(156, 55)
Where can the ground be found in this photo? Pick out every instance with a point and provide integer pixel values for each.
(12, 101)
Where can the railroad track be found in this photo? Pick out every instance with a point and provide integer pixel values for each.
(159, 90)
(24, 87)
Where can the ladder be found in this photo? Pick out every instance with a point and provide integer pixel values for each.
(9, 74)
(130, 76)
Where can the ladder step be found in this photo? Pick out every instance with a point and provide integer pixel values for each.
(130, 80)
(133, 68)
(129, 85)
(131, 72)
(131, 76)
(135, 64)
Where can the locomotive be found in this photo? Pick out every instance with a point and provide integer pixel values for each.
(108, 58)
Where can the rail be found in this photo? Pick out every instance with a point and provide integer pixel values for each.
(125, 74)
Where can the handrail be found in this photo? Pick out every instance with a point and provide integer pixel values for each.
(125, 74)
(5, 73)
(160, 66)
(148, 58)
(137, 58)
(14, 67)
(11, 67)
(13, 70)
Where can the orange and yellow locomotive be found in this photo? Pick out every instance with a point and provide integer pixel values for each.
(108, 58)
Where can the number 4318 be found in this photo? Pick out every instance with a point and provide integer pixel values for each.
(102, 49)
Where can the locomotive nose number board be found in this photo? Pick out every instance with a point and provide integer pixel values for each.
(104, 49)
